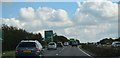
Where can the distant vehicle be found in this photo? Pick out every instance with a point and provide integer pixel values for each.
(74, 43)
(29, 48)
(116, 44)
(66, 43)
(52, 45)
(59, 44)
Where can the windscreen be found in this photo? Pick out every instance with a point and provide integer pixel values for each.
(118, 43)
(51, 44)
(27, 44)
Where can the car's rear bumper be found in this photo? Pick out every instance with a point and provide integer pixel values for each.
(27, 54)
(74, 45)
(51, 48)
(28, 57)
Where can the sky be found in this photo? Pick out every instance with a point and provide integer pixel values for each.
(51, 0)
(55, 5)
(84, 20)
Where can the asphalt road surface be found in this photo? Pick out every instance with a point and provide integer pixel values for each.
(67, 51)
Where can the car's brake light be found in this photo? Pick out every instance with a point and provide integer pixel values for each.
(17, 50)
(37, 49)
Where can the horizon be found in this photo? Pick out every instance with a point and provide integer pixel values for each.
(86, 21)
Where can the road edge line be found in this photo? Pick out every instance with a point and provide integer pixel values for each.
(85, 52)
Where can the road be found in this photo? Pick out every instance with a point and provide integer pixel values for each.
(67, 51)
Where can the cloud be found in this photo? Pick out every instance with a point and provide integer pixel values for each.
(90, 22)
(95, 12)
(12, 22)
(38, 19)
(27, 13)
(79, 4)
(92, 33)
(4, 0)
(95, 20)
(55, 0)
(54, 18)
(21, 0)
(98, 0)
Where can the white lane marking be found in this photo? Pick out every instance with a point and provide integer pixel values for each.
(56, 54)
(59, 51)
(62, 49)
(85, 53)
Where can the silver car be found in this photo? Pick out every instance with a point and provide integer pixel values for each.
(66, 44)
(29, 48)
(52, 45)
(116, 44)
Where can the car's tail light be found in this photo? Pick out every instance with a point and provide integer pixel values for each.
(17, 50)
(37, 49)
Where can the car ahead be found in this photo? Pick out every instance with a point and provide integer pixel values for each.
(116, 44)
(74, 44)
(52, 45)
(66, 43)
(29, 48)
(59, 44)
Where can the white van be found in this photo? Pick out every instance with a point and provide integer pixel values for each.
(116, 44)
(52, 45)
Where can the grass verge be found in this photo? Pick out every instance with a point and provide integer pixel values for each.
(0, 54)
(101, 51)
(8, 53)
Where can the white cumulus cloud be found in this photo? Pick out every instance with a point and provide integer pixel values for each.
(90, 22)
(27, 13)
(12, 22)
(38, 19)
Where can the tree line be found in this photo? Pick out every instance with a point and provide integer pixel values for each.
(108, 40)
(11, 36)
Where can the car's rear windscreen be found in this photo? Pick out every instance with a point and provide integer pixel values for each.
(51, 44)
(118, 43)
(27, 44)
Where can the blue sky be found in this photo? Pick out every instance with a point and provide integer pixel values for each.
(49, 0)
(0, 10)
(12, 9)
(9, 7)
(88, 21)
(42, 0)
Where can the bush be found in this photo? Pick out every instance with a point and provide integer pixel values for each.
(101, 51)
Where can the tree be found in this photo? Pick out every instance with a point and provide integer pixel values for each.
(60, 39)
(117, 39)
(78, 41)
(12, 36)
(106, 41)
